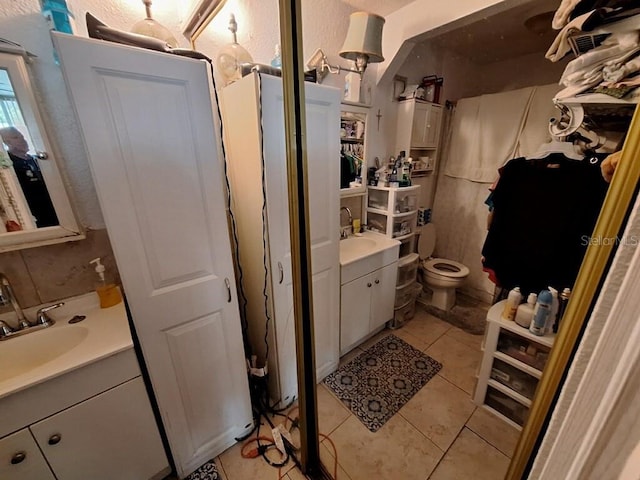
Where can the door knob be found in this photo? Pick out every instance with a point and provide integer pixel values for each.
(18, 458)
(55, 439)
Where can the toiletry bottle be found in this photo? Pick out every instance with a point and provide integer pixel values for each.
(541, 313)
(564, 300)
(555, 303)
(524, 315)
(511, 306)
(107, 292)
(352, 87)
(277, 57)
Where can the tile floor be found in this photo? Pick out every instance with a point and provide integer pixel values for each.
(439, 434)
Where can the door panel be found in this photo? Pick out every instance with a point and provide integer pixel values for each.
(32, 467)
(355, 310)
(151, 135)
(383, 295)
(322, 116)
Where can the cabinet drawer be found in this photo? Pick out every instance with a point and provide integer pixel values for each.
(507, 406)
(408, 269)
(522, 349)
(515, 379)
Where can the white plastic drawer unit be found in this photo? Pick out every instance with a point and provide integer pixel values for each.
(407, 269)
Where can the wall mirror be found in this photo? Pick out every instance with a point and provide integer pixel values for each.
(34, 207)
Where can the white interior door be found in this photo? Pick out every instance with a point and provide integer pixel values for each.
(153, 144)
(322, 117)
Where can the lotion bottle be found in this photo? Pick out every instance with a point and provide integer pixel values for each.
(108, 293)
(511, 307)
(555, 304)
(524, 315)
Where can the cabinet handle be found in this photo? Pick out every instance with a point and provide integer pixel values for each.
(281, 273)
(18, 458)
(369, 284)
(377, 281)
(228, 285)
(55, 439)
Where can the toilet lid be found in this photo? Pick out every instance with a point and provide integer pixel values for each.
(427, 241)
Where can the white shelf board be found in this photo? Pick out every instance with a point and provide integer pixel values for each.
(502, 417)
(521, 399)
(395, 215)
(387, 189)
(495, 315)
(404, 237)
(353, 192)
(514, 362)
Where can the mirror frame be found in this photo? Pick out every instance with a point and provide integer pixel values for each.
(592, 273)
(69, 228)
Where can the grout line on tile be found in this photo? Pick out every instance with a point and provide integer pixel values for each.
(468, 427)
(486, 441)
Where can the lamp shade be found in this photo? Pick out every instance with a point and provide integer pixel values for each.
(364, 37)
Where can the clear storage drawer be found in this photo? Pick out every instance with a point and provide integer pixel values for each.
(403, 225)
(405, 202)
(515, 379)
(378, 199)
(527, 351)
(507, 406)
(408, 269)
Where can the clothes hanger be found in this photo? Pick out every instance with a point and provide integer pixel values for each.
(556, 146)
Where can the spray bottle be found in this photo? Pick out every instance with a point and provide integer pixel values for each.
(108, 293)
(541, 313)
(511, 306)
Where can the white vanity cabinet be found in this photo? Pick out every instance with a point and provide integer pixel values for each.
(368, 271)
(112, 435)
(69, 431)
(21, 459)
(367, 304)
(253, 118)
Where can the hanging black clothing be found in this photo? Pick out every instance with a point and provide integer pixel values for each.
(544, 214)
(35, 190)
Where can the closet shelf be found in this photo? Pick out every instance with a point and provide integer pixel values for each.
(601, 99)
(352, 140)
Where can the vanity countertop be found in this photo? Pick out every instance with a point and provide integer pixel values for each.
(361, 246)
(42, 355)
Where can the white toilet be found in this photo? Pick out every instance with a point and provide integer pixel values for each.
(442, 276)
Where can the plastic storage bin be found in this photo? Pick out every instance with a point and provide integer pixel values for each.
(405, 293)
(515, 379)
(527, 351)
(378, 199)
(407, 269)
(405, 202)
(407, 246)
(507, 406)
(377, 222)
(403, 225)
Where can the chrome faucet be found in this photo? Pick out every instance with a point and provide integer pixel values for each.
(344, 231)
(24, 326)
(8, 296)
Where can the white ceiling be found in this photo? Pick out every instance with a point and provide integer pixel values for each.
(499, 37)
(381, 7)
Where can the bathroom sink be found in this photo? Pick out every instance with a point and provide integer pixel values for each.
(31, 350)
(364, 245)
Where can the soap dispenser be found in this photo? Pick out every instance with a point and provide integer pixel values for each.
(107, 292)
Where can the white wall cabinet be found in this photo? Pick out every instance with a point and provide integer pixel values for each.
(418, 131)
(253, 117)
(511, 366)
(366, 305)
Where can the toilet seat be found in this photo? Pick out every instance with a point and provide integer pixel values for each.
(446, 268)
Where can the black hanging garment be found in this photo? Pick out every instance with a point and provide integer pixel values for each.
(544, 213)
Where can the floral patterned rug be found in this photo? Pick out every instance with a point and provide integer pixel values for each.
(208, 471)
(379, 381)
